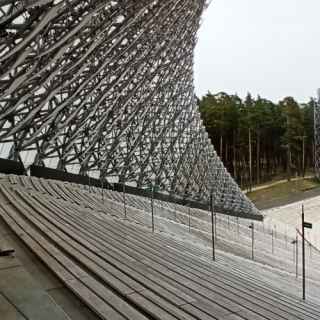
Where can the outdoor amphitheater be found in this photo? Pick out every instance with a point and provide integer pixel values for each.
(113, 202)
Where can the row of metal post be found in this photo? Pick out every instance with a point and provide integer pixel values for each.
(214, 231)
(213, 222)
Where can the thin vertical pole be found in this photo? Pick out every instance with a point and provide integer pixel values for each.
(297, 257)
(102, 191)
(124, 200)
(272, 241)
(310, 247)
(152, 213)
(303, 259)
(294, 249)
(252, 243)
(189, 218)
(212, 228)
(250, 160)
(316, 108)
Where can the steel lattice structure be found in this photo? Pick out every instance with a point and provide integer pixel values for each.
(106, 88)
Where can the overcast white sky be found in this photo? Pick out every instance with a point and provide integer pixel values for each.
(267, 47)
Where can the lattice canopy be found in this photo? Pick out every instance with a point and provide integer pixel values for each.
(105, 88)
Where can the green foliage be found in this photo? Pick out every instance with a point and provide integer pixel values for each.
(280, 135)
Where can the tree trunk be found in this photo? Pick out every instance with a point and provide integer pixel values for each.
(313, 157)
(289, 163)
(250, 161)
(303, 157)
(234, 155)
(258, 157)
(226, 152)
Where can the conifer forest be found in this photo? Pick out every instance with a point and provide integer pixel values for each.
(259, 140)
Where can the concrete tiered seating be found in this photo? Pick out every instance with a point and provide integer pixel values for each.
(233, 234)
(272, 247)
(194, 225)
(123, 271)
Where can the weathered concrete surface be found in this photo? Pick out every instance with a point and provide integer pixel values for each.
(9, 311)
(28, 289)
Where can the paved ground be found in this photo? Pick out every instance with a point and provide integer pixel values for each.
(285, 212)
(289, 214)
(28, 290)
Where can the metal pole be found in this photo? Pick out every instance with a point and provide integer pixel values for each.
(152, 215)
(212, 228)
(252, 240)
(297, 257)
(124, 200)
(294, 251)
(303, 259)
(310, 251)
(102, 191)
